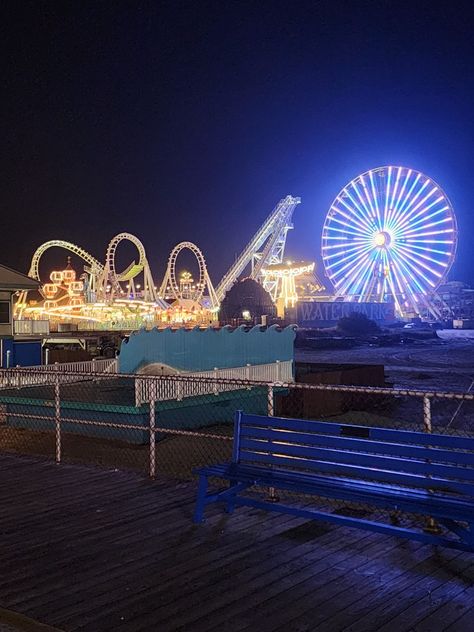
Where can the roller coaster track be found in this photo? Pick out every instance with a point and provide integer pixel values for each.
(170, 281)
(266, 247)
(94, 264)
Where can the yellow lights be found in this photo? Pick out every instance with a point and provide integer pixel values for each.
(282, 276)
(288, 269)
(100, 298)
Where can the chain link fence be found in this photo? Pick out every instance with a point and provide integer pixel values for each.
(169, 425)
(133, 422)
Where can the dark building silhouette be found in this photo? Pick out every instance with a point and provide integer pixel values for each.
(246, 302)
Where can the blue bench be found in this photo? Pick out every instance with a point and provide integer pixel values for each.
(396, 470)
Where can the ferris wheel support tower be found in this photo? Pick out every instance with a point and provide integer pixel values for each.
(267, 247)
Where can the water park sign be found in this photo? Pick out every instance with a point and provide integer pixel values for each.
(326, 314)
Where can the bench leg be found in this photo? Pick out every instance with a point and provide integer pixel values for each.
(230, 505)
(201, 500)
(431, 526)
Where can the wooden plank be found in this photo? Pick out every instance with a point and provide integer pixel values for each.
(430, 603)
(191, 565)
(136, 556)
(463, 623)
(103, 536)
(124, 547)
(358, 598)
(253, 606)
(437, 574)
(321, 593)
(254, 574)
(165, 549)
(449, 611)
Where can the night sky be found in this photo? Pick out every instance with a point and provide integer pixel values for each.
(190, 120)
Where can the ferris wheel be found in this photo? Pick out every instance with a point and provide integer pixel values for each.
(389, 236)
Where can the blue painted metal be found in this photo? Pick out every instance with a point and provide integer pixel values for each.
(237, 432)
(361, 445)
(382, 434)
(27, 353)
(401, 473)
(203, 350)
(22, 352)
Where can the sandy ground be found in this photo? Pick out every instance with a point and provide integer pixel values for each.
(424, 365)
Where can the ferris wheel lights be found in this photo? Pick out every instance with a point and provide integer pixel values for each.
(391, 243)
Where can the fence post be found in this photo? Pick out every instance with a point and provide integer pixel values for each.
(431, 524)
(216, 386)
(272, 497)
(270, 406)
(57, 414)
(427, 414)
(152, 429)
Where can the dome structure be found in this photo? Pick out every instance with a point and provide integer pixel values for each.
(248, 301)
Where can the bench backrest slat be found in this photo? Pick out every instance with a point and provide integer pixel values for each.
(415, 459)
(362, 459)
(356, 472)
(359, 445)
(351, 430)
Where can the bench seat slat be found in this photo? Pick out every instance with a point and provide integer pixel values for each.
(362, 445)
(382, 495)
(362, 472)
(378, 434)
(396, 470)
(390, 463)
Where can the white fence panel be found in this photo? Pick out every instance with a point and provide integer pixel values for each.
(209, 382)
(46, 374)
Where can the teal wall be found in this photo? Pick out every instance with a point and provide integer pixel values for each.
(203, 350)
(191, 413)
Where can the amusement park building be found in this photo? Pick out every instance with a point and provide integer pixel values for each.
(10, 283)
(13, 352)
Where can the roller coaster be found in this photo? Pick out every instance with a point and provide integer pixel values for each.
(105, 294)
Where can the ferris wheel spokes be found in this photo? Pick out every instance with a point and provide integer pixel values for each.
(390, 234)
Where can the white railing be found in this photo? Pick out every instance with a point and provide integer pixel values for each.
(30, 327)
(167, 389)
(96, 365)
(45, 374)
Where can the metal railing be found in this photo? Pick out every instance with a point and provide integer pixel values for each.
(94, 416)
(30, 327)
(44, 374)
(211, 382)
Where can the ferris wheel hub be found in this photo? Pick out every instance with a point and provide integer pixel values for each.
(382, 239)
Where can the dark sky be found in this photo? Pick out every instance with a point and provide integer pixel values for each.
(190, 120)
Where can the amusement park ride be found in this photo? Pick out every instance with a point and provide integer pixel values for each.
(104, 298)
(389, 236)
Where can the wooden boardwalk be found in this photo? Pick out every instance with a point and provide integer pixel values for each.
(94, 550)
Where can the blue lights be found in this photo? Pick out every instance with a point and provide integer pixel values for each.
(390, 235)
